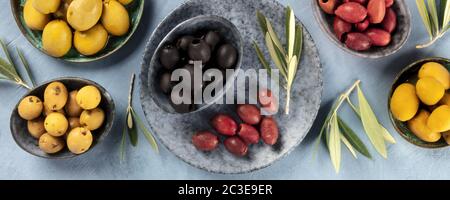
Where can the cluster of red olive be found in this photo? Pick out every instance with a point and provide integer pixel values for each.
(362, 24)
(240, 137)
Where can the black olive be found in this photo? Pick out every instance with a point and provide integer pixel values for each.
(165, 83)
(199, 51)
(212, 38)
(183, 107)
(226, 56)
(169, 57)
(184, 42)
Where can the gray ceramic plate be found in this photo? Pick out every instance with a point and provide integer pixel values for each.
(175, 131)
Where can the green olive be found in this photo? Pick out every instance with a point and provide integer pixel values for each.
(115, 18)
(74, 123)
(36, 127)
(56, 124)
(30, 108)
(84, 14)
(89, 97)
(92, 119)
(33, 18)
(50, 144)
(79, 140)
(91, 41)
(46, 6)
(72, 107)
(55, 96)
(57, 38)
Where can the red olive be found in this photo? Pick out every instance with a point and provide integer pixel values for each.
(390, 21)
(328, 6)
(358, 41)
(376, 10)
(205, 141)
(268, 101)
(248, 134)
(224, 124)
(379, 37)
(362, 26)
(389, 3)
(236, 146)
(269, 131)
(250, 114)
(341, 27)
(351, 12)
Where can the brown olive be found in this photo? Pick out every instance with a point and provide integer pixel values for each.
(169, 57)
(184, 42)
(212, 38)
(226, 56)
(199, 50)
(165, 83)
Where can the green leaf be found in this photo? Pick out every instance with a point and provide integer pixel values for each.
(334, 143)
(26, 66)
(274, 56)
(5, 70)
(387, 136)
(290, 31)
(434, 16)
(274, 37)
(8, 56)
(445, 6)
(292, 70)
(354, 140)
(132, 130)
(261, 58)
(298, 42)
(371, 124)
(425, 16)
(349, 146)
(123, 143)
(262, 22)
(145, 131)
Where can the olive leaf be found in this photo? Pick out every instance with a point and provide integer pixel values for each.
(286, 60)
(8, 71)
(435, 17)
(353, 139)
(334, 143)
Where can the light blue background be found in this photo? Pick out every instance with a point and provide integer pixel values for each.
(339, 70)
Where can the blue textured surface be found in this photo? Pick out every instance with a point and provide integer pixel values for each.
(340, 70)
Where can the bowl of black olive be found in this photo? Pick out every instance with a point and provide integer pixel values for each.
(202, 45)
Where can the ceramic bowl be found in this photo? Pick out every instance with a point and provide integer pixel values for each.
(134, 9)
(25, 141)
(229, 33)
(399, 36)
(409, 75)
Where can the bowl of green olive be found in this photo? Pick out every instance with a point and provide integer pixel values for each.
(62, 118)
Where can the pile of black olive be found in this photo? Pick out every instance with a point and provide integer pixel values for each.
(206, 46)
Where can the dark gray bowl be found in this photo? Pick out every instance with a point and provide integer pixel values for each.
(399, 36)
(409, 75)
(19, 129)
(227, 30)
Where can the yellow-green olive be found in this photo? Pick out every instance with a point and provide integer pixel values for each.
(74, 123)
(50, 144)
(30, 108)
(436, 71)
(439, 120)
(125, 2)
(404, 102)
(91, 41)
(89, 97)
(84, 14)
(46, 6)
(79, 140)
(56, 124)
(418, 125)
(33, 18)
(55, 96)
(36, 127)
(57, 38)
(115, 18)
(72, 107)
(429, 90)
(92, 119)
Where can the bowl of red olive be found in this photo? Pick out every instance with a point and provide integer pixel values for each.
(211, 42)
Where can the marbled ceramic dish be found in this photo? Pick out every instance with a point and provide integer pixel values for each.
(399, 36)
(226, 29)
(134, 9)
(409, 75)
(31, 145)
(175, 131)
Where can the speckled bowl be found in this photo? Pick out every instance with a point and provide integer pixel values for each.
(226, 29)
(25, 141)
(175, 131)
(409, 75)
(135, 11)
(399, 36)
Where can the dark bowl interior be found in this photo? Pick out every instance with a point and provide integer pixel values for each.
(29, 144)
(399, 36)
(409, 75)
(135, 10)
(229, 33)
